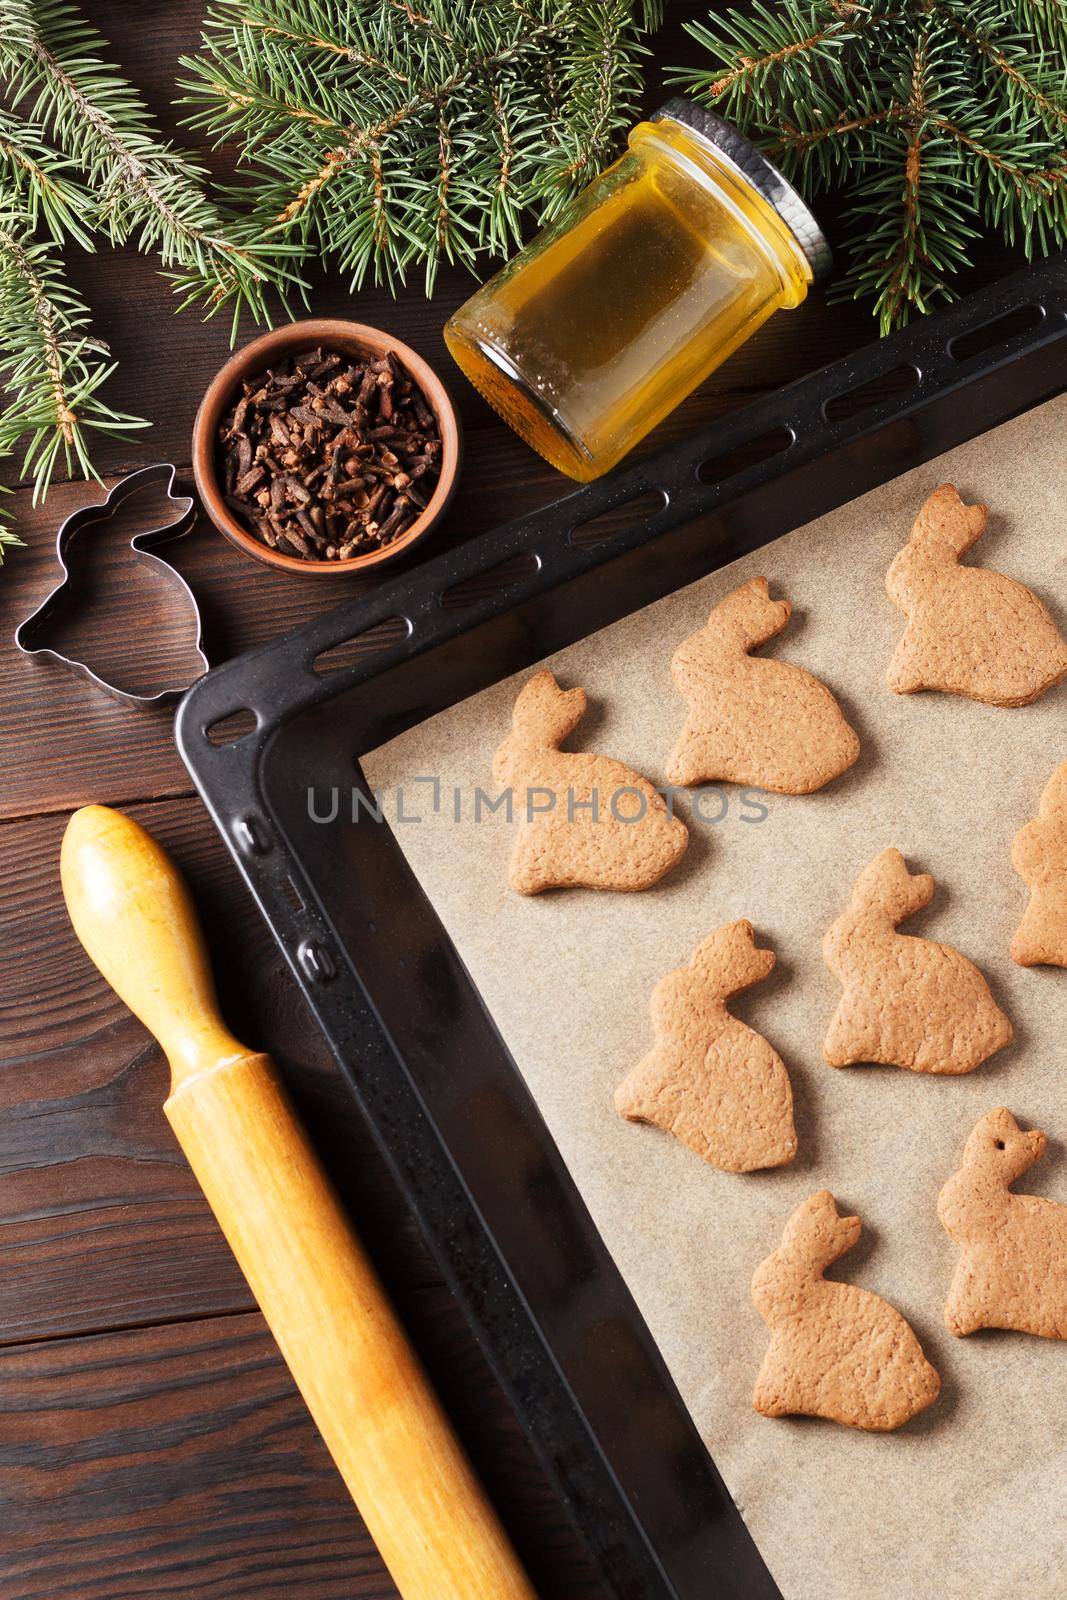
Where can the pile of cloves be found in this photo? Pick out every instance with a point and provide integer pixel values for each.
(325, 457)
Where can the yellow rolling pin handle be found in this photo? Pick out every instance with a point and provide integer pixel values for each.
(321, 1297)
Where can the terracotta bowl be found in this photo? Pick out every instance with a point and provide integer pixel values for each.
(353, 339)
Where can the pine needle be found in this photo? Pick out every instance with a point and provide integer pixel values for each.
(939, 119)
(9, 539)
(144, 190)
(388, 136)
(50, 366)
(38, 179)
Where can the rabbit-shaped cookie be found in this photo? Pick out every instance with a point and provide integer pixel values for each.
(1039, 855)
(836, 1351)
(754, 721)
(584, 820)
(1012, 1271)
(711, 1081)
(970, 631)
(908, 1002)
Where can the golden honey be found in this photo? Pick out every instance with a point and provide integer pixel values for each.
(644, 284)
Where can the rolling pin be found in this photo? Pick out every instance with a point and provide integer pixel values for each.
(321, 1297)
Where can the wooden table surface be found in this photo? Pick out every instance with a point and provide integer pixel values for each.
(151, 1441)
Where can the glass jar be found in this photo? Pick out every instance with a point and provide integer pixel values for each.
(643, 285)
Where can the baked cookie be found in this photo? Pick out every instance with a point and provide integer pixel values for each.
(1039, 856)
(764, 723)
(970, 631)
(1012, 1271)
(836, 1351)
(711, 1081)
(908, 1002)
(584, 820)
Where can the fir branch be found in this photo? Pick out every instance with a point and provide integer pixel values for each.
(389, 133)
(9, 539)
(939, 117)
(909, 278)
(146, 190)
(1044, 20)
(8, 536)
(16, 25)
(599, 80)
(764, 52)
(50, 366)
(36, 178)
(1012, 60)
(306, 36)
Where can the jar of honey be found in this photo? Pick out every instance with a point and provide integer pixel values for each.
(642, 286)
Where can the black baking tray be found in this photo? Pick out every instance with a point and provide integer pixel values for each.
(412, 1036)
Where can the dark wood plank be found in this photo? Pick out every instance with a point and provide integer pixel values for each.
(176, 1460)
(181, 1461)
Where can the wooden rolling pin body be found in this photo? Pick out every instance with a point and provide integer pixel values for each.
(318, 1292)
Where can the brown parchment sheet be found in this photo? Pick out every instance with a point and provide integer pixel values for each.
(969, 1501)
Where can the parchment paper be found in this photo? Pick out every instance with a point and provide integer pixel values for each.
(969, 1501)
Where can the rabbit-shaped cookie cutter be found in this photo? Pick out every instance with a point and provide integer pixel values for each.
(30, 631)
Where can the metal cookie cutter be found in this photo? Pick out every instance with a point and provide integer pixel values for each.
(29, 633)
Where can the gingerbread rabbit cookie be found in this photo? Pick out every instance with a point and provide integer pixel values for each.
(907, 1002)
(1039, 856)
(760, 722)
(1012, 1271)
(584, 820)
(836, 1351)
(970, 631)
(714, 1083)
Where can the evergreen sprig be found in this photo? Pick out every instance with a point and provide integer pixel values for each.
(50, 365)
(143, 189)
(938, 118)
(387, 134)
(80, 158)
(35, 177)
(597, 80)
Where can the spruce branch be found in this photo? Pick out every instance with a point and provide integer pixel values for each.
(9, 539)
(50, 366)
(38, 179)
(390, 134)
(767, 53)
(1008, 61)
(16, 25)
(597, 84)
(145, 190)
(939, 118)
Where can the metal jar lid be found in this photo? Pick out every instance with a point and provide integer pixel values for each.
(762, 174)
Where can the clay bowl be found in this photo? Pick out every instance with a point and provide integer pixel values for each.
(353, 339)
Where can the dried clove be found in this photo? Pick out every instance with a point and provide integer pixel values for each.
(326, 457)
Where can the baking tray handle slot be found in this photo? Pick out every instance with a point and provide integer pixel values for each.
(636, 510)
(358, 647)
(491, 580)
(232, 727)
(884, 386)
(1007, 329)
(749, 453)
